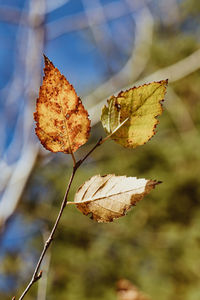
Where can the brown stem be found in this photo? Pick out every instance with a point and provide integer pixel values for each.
(38, 274)
(74, 159)
(86, 156)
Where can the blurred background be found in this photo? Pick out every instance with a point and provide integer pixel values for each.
(101, 46)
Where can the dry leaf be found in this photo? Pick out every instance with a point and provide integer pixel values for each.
(142, 105)
(127, 291)
(110, 197)
(62, 123)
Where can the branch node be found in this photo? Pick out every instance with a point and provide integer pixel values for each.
(39, 275)
(48, 241)
(77, 165)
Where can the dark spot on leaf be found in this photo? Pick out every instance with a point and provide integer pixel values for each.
(118, 106)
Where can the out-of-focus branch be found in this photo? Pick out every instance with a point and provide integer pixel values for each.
(136, 63)
(174, 72)
(102, 35)
(74, 22)
(17, 182)
(32, 74)
(144, 25)
(180, 115)
(170, 12)
(52, 5)
(79, 21)
(178, 70)
(140, 53)
(11, 92)
(12, 15)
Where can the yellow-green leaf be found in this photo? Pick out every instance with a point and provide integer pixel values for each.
(141, 105)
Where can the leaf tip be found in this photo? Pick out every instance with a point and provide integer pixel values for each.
(163, 81)
(47, 64)
(154, 182)
(159, 182)
(46, 60)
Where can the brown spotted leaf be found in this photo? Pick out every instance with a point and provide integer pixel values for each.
(62, 123)
(141, 106)
(127, 291)
(109, 197)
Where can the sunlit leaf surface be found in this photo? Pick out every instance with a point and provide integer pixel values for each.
(62, 123)
(142, 105)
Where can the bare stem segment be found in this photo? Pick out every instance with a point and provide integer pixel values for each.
(37, 273)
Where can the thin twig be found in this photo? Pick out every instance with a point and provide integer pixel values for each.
(38, 274)
(100, 142)
(42, 284)
(86, 156)
(73, 158)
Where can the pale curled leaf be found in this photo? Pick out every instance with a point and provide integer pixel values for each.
(109, 197)
(62, 123)
(142, 105)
